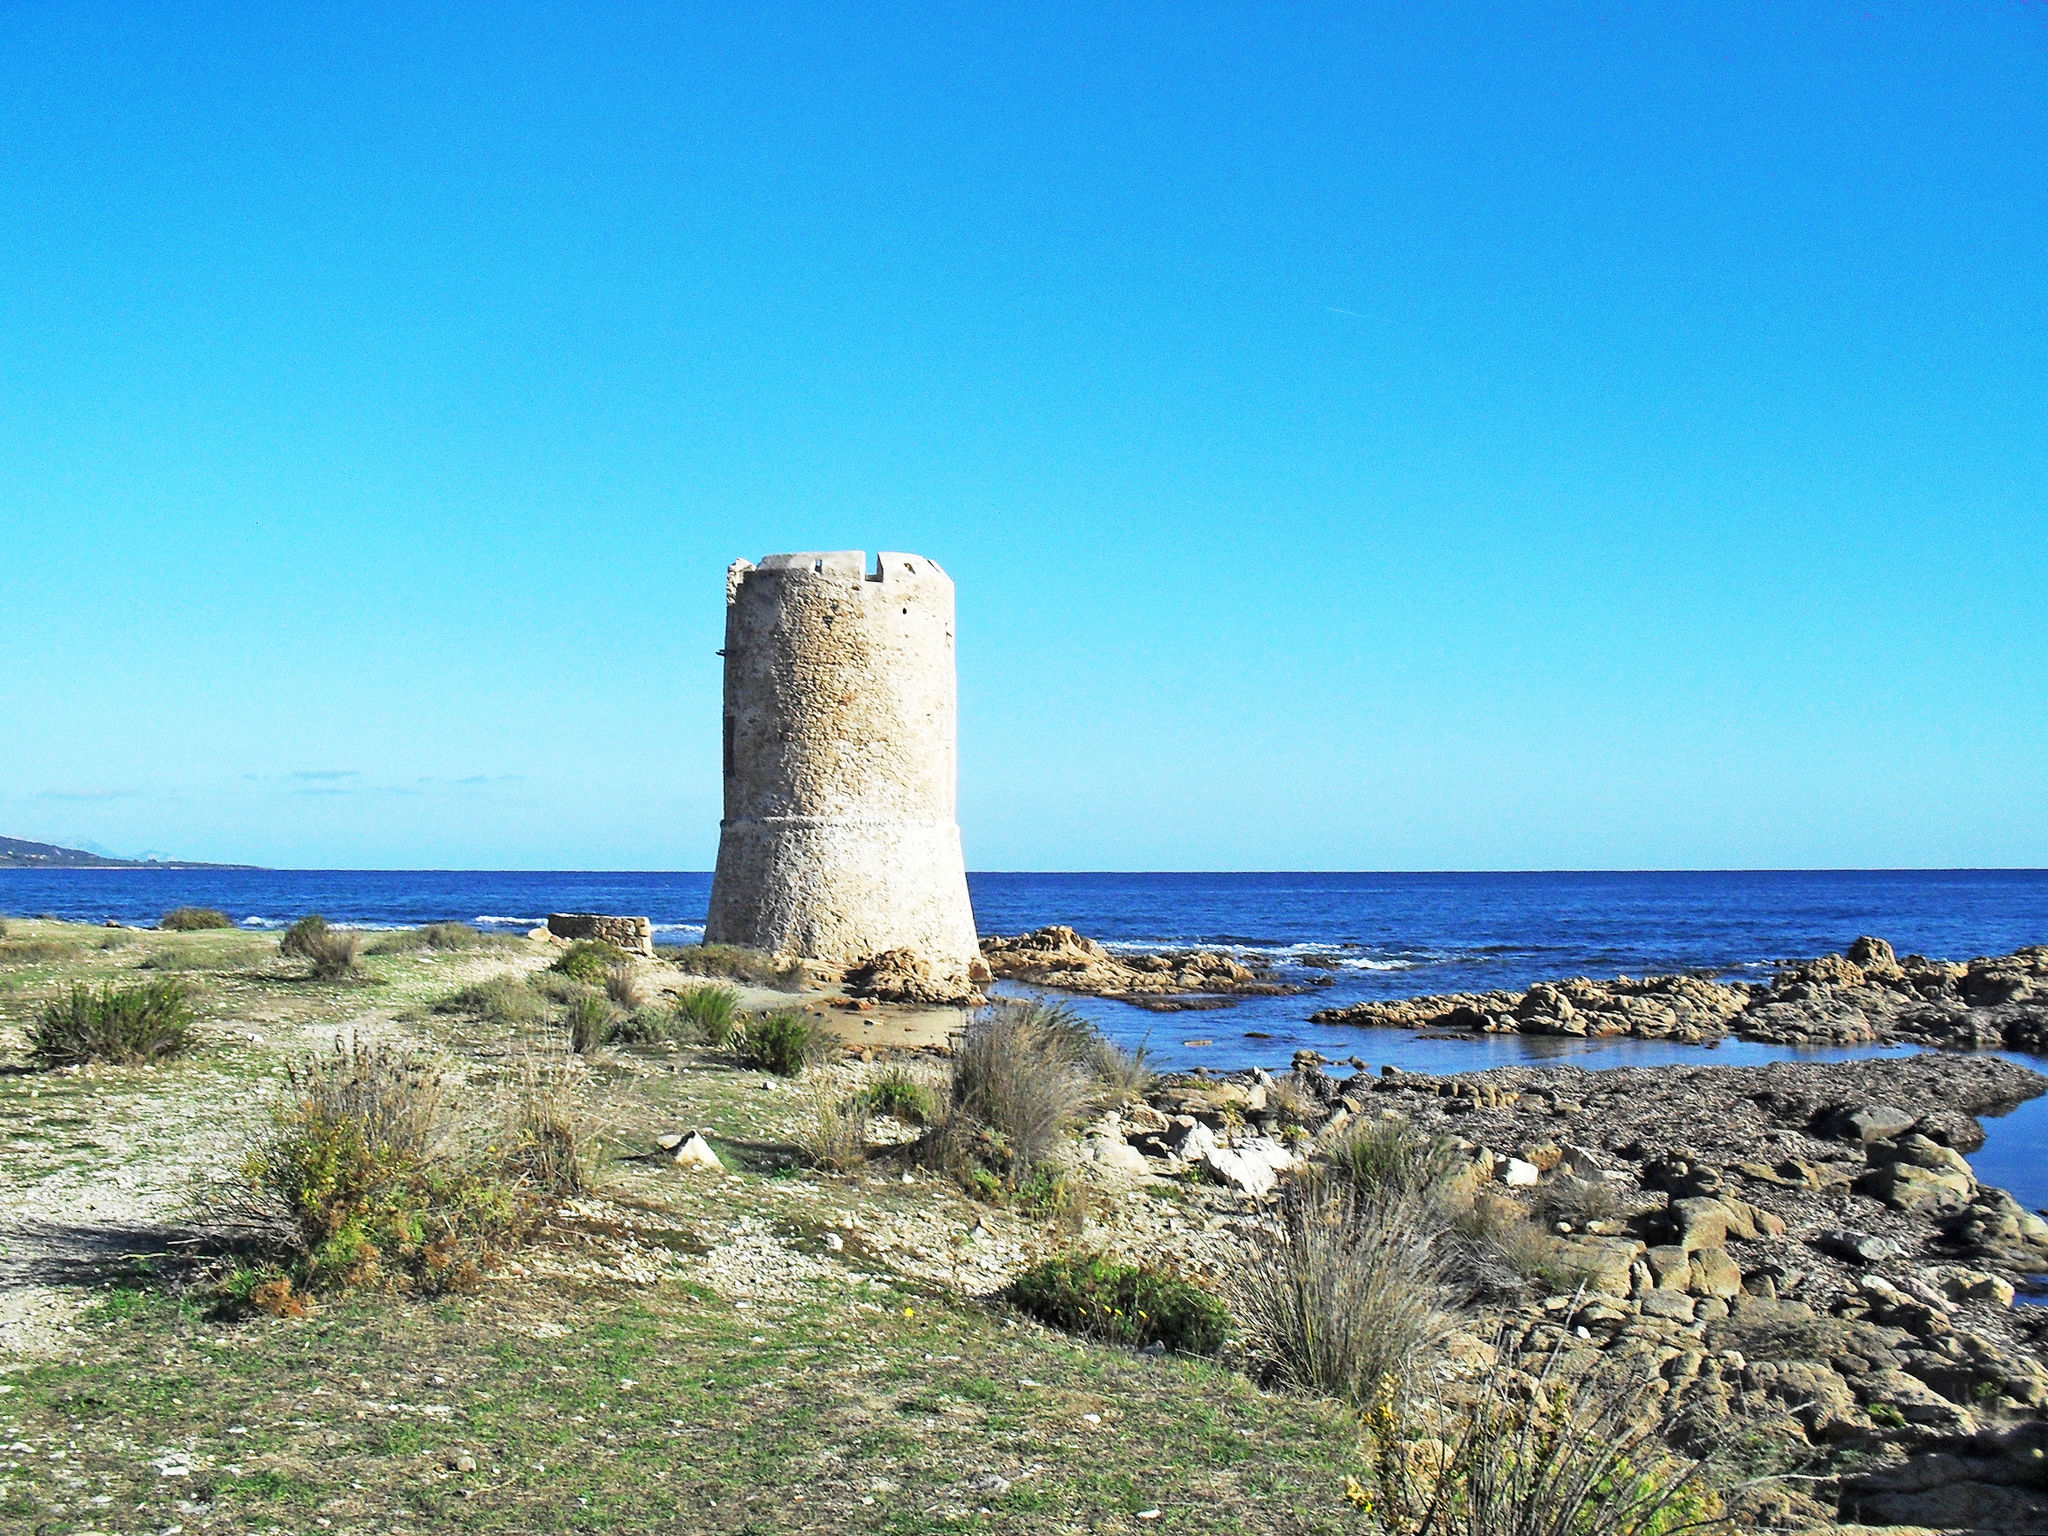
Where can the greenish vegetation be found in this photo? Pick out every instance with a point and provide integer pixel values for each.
(894, 1091)
(448, 938)
(331, 952)
(710, 1013)
(733, 963)
(358, 1182)
(506, 1001)
(614, 1410)
(589, 961)
(785, 1042)
(1122, 1304)
(194, 919)
(124, 1025)
(590, 1020)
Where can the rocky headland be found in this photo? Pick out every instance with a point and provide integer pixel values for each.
(1165, 981)
(1868, 995)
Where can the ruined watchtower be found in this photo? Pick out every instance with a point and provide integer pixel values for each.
(840, 837)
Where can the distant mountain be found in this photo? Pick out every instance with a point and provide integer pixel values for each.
(17, 854)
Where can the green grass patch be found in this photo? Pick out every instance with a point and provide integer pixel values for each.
(1121, 1303)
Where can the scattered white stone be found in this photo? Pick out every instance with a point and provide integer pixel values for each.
(1519, 1174)
(696, 1153)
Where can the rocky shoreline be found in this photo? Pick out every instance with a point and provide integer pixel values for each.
(1866, 996)
(1166, 981)
(1800, 1252)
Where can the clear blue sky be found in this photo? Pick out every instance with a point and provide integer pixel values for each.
(1467, 436)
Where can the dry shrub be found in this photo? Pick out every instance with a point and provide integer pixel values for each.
(1343, 1293)
(1387, 1159)
(194, 919)
(1538, 1455)
(1017, 1091)
(1123, 1073)
(708, 1014)
(506, 1001)
(355, 1182)
(590, 1019)
(545, 1148)
(1577, 1201)
(622, 985)
(832, 1128)
(331, 952)
(117, 1024)
(732, 962)
(445, 937)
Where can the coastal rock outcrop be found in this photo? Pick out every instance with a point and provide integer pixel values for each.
(905, 976)
(1170, 980)
(1865, 995)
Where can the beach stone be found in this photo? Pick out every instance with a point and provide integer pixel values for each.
(1908, 1187)
(1715, 1274)
(1872, 1122)
(1915, 1401)
(1253, 1168)
(1673, 1306)
(1977, 1285)
(1669, 1267)
(1115, 1153)
(1605, 1261)
(696, 1152)
(1859, 1246)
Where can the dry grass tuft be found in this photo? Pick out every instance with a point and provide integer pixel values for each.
(1344, 1294)
(331, 952)
(832, 1128)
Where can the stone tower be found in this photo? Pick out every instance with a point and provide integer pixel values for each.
(840, 837)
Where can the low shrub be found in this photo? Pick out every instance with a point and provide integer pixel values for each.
(557, 988)
(194, 919)
(356, 1184)
(649, 1025)
(331, 952)
(506, 1001)
(1342, 1295)
(785, 1042)
(832, 1132)
(1577, 1201)
(1387, 1159)
(1123, 1073)
(445, 937)
(710, 1014)
(733, 963)
(589, 961)
(897, 1093)
(545, 1149)
(590, 1019)
(622, 985)
(1122, 1304)
(31, 951)
(1017, 1088)
(115, 1024)
(1539, 1455)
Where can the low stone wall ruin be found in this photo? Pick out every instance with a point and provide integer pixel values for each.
(635, 935)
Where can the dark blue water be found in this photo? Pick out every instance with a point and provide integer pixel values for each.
(1390, 936)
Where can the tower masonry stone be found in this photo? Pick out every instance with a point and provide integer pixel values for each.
(840, 839)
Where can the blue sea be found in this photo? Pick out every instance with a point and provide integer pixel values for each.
(1389, 935)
